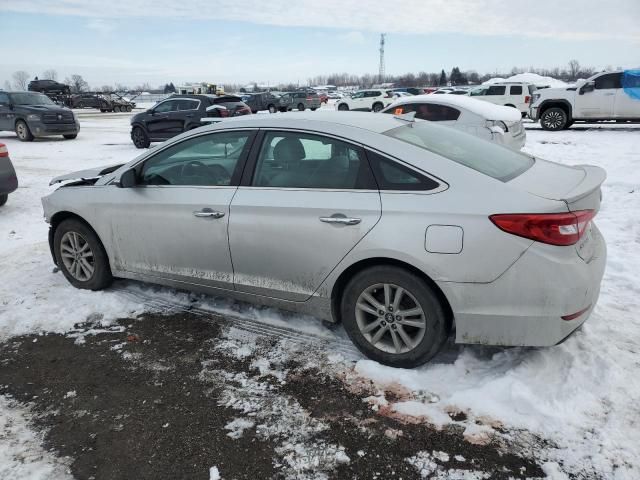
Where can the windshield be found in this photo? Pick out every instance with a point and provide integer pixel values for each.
(485, 157)
(30, 99)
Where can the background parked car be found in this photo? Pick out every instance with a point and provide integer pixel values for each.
(411, 90)
(8, 178)
(600, 97)
(180, 113)
(517, 95)
(48, 87)
(300, 100)
(501, 125)
(261, 101)
(372, 100)
(32, 114)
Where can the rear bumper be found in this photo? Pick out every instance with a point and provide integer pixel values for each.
(8, 178)
(525, 305)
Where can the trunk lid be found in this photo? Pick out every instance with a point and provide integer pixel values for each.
(577, 186)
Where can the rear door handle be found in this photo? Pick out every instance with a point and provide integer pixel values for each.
(208, 213)
(341, 219)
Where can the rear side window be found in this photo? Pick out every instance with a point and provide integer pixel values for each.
(188, 104)
(428, 111)
(392, 175)
(611, 80)
(496, 90)
(484, 157)
(515, 90)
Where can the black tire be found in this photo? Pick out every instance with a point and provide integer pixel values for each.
(554, 119)
(343, 107)
(254, 111)
(376, 107)
(283, 109)
(23, 132)
(140, 138)
(101, 276)
(116, 109)
(3, 198)
(300, 107)
(103, 110)
(272, 109)
(129, 108)
(313, 109)
(70, 136)
(435, 332)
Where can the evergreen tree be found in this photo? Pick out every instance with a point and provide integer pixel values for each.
(443, 79)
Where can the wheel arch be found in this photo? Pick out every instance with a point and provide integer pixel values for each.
(353, 269)
(61, 216)
(560, 103)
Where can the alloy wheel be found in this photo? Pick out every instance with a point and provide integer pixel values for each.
(390, 318)
(553, 120)
(77, 256)
(21, 131)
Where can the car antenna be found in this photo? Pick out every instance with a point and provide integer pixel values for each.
(407, 117)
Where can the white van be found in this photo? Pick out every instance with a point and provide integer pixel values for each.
(517, 95)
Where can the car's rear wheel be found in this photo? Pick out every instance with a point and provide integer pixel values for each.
(272, 109)
(301, 107)
(554, 119)
(3, 199)
(377, 107)
(23, 132)
(343, 107)
(81, 256)
(393, 316)
(70, 136)
(140, 138)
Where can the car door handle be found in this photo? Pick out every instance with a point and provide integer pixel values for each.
(340, 219)
(208, 213)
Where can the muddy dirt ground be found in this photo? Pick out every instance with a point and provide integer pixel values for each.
(169, 396)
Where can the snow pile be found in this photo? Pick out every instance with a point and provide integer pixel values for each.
(21, 453)
(532, 78)
(582, 395)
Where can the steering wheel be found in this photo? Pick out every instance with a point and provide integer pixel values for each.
(190, 169)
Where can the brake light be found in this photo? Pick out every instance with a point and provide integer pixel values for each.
(309, 99)
(573, 316)
(4, 151)
(527, 99)
(552, 228)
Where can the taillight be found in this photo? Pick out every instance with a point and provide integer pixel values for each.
(527, 99)
(309, 99)
(4, 152)
(551, 228)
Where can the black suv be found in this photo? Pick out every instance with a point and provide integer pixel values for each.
(32, 114)
(49, 86)
(180, 113)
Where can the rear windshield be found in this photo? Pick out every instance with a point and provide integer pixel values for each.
(485, 157)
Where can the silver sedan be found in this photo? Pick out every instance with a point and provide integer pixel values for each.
(404, 231)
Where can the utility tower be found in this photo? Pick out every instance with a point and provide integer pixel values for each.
(381, 68)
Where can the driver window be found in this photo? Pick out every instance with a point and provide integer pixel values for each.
(207, 160)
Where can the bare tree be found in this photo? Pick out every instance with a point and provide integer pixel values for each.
(20, 80)
(106, 88)
(77, 83)
(574, 69)
(50, 74)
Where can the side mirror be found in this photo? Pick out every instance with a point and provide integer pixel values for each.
(150, 111)
(587, 87)
(128, 179)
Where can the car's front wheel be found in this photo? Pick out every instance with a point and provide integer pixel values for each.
(23, 132)
(393, 316)
(301, 107)
(140, 138)
(343, 107)
(70, 136)
(553, 119)
(81, 256)
(272, 109)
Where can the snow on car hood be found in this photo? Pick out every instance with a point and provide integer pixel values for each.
(86, 174)
(487, 110)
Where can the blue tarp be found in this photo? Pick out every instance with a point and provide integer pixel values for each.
(631, 83)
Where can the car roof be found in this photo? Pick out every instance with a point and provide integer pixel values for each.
(319, 120)
(479, 107)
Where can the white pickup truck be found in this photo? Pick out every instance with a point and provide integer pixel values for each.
(600, 97)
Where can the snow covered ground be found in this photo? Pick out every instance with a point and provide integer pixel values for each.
(582, 396)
